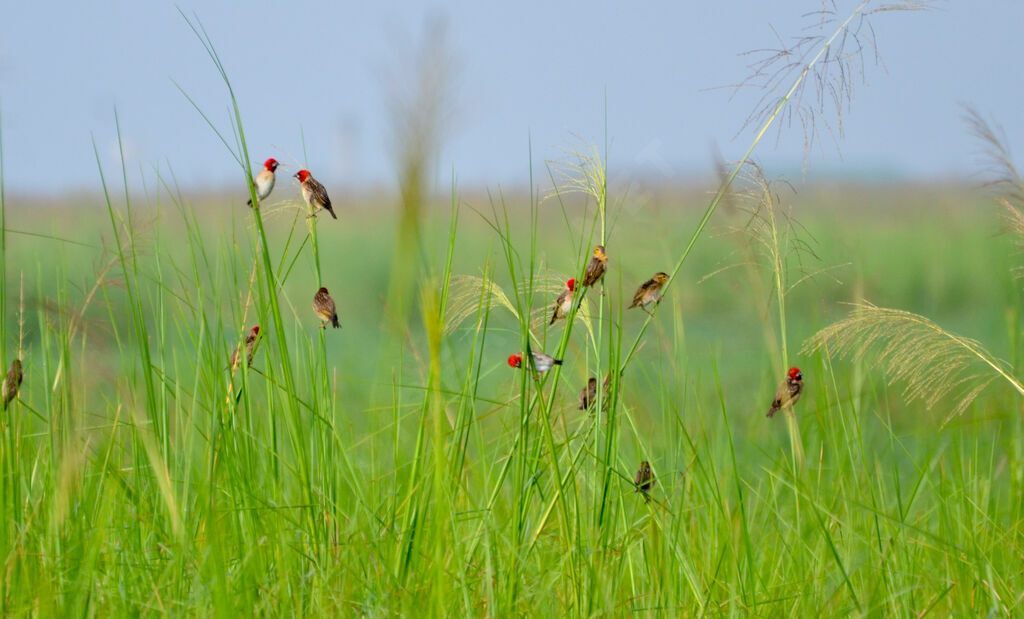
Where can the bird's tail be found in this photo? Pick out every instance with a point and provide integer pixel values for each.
(334, 318)
(771, 411)
(556, 361)
(331, 211)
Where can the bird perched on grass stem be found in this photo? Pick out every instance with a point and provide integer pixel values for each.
(596, 267)
(12, 382)
(542, 362)
(324, 307)
(588, 395)
(644, 480)
(649, 292)
(564, 302)
(250, 348)
(264, 181)
(314, 194)
(789, 391)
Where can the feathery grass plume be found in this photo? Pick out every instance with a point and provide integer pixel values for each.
(582, 171)
(468, 294)
(1006, 180)
(936, 365)
(834, 65)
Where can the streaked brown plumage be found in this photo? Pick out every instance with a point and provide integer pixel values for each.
(12, 382)
(788, 392)
(324, 307)
(649, 292)
(588, 395)
(314, 194)
(250, 348)
(596, 267)
(644, 479)
(564, 301)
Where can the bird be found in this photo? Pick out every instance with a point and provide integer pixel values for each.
(649, 292)
(596, 267)
(588, 395)
(542, 362)
(250, 348)
(564, 301)
(324, 307)
(264, 181)
(12, 382)
(789, 391)
(314, 194)
(644, 479)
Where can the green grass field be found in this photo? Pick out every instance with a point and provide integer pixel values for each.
(399, 466)
(409, 470)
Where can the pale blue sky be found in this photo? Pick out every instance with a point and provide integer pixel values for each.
(534, 71)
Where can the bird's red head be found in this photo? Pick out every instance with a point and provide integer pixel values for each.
(571, 284)
(796, 374)
(270, 164)
(302, 175)
(515, 361)
(256, 330)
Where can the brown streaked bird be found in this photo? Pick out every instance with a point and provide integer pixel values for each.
(314, 194)
(12, 382)
(564, 301)
(324, 307)
(264, 181)
(649, 292)
(596, 267)
(250, 348)
(789, 391)
(588, 395)
(542, 362)
(644, 480)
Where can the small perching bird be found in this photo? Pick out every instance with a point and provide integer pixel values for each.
(649, 292)
(324, 307)
(264, 181)
(564, 301)
(588, 395)
(542, 362)
(12, 382)
(250, 348)
(643, 481)
(789, 391)
(596, 267)
(314, 194)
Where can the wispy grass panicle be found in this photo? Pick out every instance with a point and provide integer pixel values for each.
(936, 366)
(810, 80)
(1003, 177)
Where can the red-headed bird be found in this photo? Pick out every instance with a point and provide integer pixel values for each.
(649, 292)
(324, 307)
(314, 194)
(596, 267)
(789, 391)
(12, 382)
(564, 302)
(264, 181)
(541, 361)
(250, 348)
